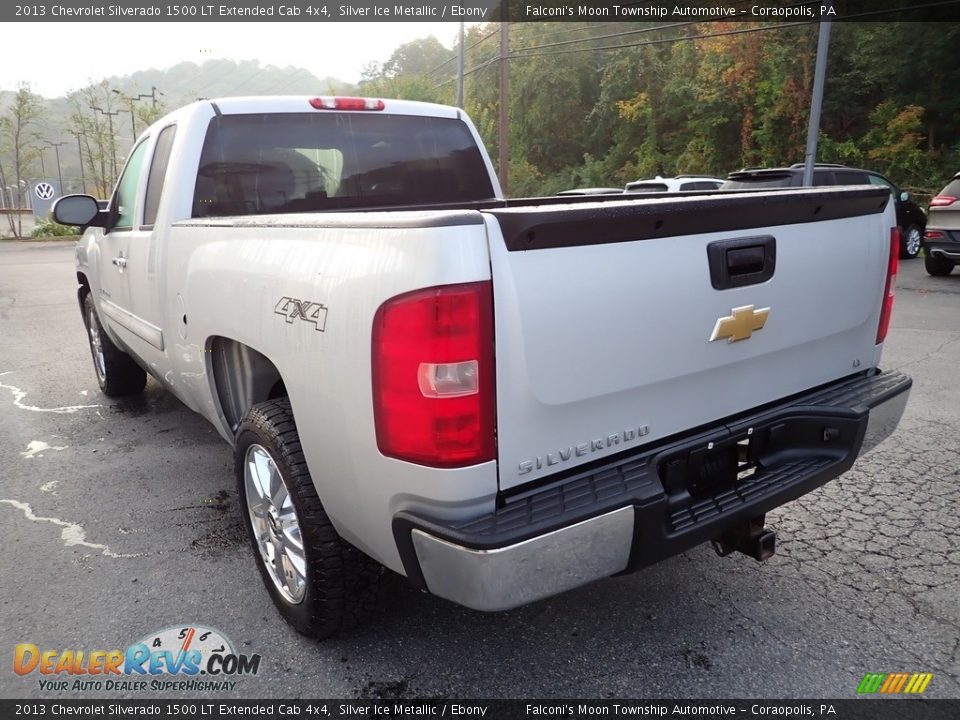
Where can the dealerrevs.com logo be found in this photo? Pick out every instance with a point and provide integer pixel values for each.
(189, 658)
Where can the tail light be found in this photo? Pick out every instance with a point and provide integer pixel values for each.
(893, 264)
(933, 235)
(942, 201)
(433, 376)
(346, 103)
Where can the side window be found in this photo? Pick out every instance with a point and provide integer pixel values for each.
(883, 182)
(158, 171)
(848, 177)
(125, 197)
(822, 177)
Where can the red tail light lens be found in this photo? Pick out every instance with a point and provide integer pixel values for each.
(933, 235)
(346, 103)
(433, 376)
(942, 201)
(893, 265)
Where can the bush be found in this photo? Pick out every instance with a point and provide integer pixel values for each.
(49, 228)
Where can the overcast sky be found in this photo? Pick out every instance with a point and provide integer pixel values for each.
(58, 57)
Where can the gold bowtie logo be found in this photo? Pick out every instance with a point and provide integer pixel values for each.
(740, 324)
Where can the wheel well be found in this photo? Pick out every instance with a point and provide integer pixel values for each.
(242, 378)
(83, 290)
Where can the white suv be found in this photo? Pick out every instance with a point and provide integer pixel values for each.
(680, 183)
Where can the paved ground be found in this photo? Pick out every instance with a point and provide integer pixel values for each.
(129, 523)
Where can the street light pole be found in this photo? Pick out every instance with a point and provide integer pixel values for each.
(131, 100)
(113, 142)
(83, 177)
(56, 148)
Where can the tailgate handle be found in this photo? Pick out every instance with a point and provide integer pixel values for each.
(742, 261)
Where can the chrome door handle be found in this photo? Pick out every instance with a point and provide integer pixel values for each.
(120, 262)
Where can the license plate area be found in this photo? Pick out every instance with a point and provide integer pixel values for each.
(709, 469)
(738, 456)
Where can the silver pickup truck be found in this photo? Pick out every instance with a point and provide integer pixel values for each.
(499, 399)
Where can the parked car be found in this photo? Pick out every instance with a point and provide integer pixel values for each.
(910, 217)
(680, 183)
(941, 240)
(592, 191)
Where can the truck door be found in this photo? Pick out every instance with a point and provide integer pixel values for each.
(121, 236)
(144, 304)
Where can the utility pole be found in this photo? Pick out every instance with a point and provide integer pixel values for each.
(153, 94)
(461, 62)
(504, 106)
(56, 148)
(83, 177)
(816, 104)
(113, 140)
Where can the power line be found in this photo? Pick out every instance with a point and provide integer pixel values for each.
(451, 59)
(611, 35)
(662, 41)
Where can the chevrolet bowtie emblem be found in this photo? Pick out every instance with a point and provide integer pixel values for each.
(740, 324)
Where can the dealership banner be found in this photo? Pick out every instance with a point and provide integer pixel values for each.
(487, 709)
(777, 11)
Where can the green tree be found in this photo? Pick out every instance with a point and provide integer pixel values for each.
(18, 133)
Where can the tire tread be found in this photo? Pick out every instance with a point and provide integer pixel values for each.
(343, 584)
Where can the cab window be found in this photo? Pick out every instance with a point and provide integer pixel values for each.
(125, 197)
(158, 171)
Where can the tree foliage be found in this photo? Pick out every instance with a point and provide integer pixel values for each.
(19, 127)
(706, 103)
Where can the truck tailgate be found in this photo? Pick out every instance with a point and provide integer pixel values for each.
(615, 328)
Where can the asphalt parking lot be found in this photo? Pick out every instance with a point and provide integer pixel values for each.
(118, 519)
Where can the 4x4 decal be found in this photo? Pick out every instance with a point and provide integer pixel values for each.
(311, 312)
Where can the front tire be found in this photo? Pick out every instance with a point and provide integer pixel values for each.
(319, 582)
(937, 265)
(117, 374)
(910, 242)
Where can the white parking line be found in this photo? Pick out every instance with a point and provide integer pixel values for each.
(19, 395)
(72, 534)
(37, 447)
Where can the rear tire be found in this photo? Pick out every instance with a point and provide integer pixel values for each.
(910, 242)
(117, 374)
(937, 266)
(319, 582)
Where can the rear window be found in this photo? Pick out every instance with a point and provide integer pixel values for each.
(952, 188)
(299, 162)
(754, 182)
(700, 185)
(646, 187)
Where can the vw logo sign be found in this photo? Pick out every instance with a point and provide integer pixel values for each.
(44, 190)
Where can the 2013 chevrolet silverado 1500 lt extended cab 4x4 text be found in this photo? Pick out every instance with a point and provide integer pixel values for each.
(499, 399)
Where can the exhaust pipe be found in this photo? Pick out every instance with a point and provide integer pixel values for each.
(750, 538)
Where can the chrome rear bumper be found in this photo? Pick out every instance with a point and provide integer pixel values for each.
(633, 512)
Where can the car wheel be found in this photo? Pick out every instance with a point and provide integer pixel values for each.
(937, 265)
(117, 373)
(910, 242)
(320, 583)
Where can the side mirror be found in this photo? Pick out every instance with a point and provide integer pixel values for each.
(904, 196)
(79, 210)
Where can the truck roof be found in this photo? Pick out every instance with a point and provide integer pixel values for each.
(301, 103)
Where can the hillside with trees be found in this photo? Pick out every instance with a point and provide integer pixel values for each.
(601, 104)
(89, 132)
